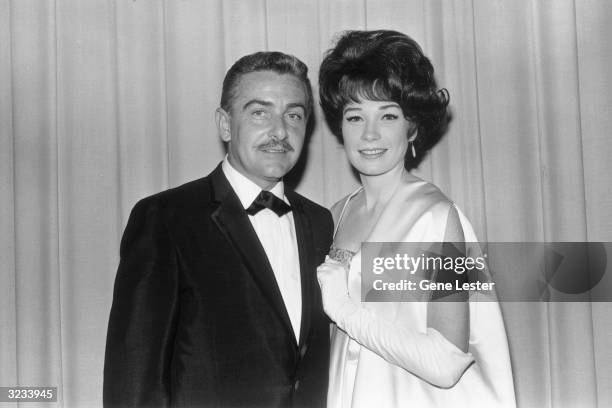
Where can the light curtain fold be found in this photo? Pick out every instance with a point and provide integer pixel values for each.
(103, 102)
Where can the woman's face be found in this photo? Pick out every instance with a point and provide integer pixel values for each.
(375, 136)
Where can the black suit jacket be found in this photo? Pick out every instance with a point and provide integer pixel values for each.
(197, 317)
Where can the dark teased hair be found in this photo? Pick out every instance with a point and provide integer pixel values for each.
(384, 65)
(265, 61)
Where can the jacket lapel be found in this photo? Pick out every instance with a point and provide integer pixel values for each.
(305, 246)
(233, 221)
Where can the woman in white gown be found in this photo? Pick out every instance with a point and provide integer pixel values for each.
(380, 98)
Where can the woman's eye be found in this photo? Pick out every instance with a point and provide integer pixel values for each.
(390, 116)
(353, 118)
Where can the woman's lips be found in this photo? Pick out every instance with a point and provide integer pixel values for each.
(372, 153)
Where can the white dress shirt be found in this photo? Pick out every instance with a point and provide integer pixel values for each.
(277, 236)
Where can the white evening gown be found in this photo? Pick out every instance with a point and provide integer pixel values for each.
(360, 378)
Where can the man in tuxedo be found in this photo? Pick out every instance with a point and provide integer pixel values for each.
(216, 302)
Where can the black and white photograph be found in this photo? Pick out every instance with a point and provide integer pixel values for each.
(305, 203)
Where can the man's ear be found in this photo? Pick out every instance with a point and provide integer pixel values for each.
(222, 119)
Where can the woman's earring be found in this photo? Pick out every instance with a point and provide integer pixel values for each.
(412, 149)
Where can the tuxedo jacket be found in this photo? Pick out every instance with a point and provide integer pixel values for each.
(197, 318)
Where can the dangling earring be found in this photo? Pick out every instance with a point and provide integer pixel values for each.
(412, 149)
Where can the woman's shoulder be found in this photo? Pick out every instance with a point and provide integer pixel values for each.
(416, 192)
(424, 198)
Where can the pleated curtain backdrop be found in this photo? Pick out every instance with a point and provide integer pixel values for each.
(104, 102)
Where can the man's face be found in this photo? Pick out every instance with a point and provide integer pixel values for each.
(266, 125)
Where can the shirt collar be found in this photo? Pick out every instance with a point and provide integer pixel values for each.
(245, 189)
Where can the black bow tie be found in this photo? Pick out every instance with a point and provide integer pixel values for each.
(266, 199)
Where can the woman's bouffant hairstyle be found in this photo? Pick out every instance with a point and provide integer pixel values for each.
(384, 65)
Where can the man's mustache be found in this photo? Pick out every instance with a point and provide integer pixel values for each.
(274, 144)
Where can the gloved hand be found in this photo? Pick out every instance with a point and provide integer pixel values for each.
(333, 277)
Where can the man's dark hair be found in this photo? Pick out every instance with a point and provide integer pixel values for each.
(265, 61)
(384, 65)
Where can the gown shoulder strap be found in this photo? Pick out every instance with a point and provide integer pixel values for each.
(344, 207)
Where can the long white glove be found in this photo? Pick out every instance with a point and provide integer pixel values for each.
(428, 355)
